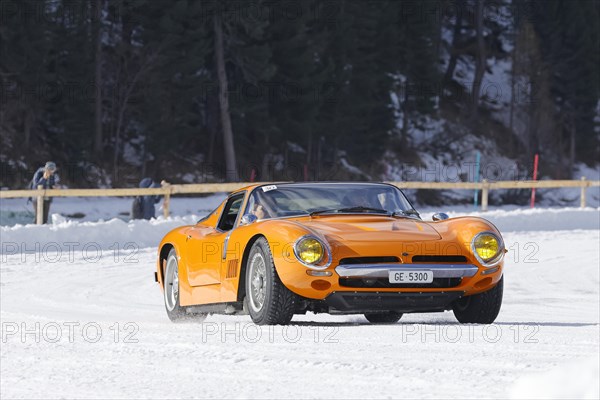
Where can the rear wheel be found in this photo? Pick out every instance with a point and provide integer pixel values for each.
(482, 308)
(269, 302)
(175, 311)
(388, 317)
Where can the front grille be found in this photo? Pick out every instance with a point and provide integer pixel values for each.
(440, 259)
(369, 260)
(385, 283)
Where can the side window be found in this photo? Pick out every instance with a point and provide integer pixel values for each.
(230, 212)
(256, 206)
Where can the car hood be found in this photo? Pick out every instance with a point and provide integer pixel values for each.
(375, 229)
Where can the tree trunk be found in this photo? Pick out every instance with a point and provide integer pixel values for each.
(480, 64)
(560, 165)
(212, 124)
(319, 173)
(513, 82)
(405, 116)
(118, 142)
(572, 148)
(28, 125)
(144, 158)
(456, 37)
(98, 137)
(533, 130)
(230, 163)
(309, 148)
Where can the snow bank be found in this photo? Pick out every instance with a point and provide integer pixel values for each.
(537, 219)
(571, 381)
(96, 235)
(93, 209)
(104, 234)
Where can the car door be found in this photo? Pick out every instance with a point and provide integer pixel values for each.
(209, 243)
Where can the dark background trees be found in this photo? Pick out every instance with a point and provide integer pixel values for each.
(114, 90)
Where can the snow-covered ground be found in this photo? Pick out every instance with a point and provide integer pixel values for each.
(87, 321)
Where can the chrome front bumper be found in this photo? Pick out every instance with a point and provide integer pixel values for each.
(383, 270)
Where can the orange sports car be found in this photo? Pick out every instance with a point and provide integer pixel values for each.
(276, 250)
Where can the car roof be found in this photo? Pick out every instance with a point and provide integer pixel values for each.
(312, 183)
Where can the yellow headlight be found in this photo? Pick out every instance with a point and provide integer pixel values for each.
(486, 246)
(309, 250)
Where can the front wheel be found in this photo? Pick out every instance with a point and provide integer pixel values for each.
(482, 308)
(269, 301)
(175, 311)
(388, 317)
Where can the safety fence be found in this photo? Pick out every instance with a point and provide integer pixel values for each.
(167, 190)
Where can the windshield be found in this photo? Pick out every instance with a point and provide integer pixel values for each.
(275, 201)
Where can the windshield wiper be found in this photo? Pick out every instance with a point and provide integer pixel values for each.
(327, 210)
(406, 213)
(350, 210)
(361, 208)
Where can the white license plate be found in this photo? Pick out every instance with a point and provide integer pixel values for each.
(411, 276)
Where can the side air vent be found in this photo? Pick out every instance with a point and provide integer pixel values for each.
(232, 269)
(368, 260)
(441, 259)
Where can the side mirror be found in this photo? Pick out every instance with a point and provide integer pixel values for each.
(247, 219)
(439, 216)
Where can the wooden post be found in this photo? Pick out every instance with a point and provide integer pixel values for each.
(583, 188)
(39, 215)
(167, 200)
(484, 195)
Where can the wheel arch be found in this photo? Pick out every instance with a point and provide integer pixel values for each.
(163, 255)
(241, 293)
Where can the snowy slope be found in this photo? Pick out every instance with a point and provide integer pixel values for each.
(548, 324)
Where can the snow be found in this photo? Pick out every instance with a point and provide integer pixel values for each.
(89, 324)
(566, 196)
(351, 168)
(577, 380)
(133, 151)
(537, 219)
(18, 211)
(295, 148)
(496, 89)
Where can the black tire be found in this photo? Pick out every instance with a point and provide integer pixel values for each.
(175, 311)
(278, 302)
(388, 317)
(482, 308)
